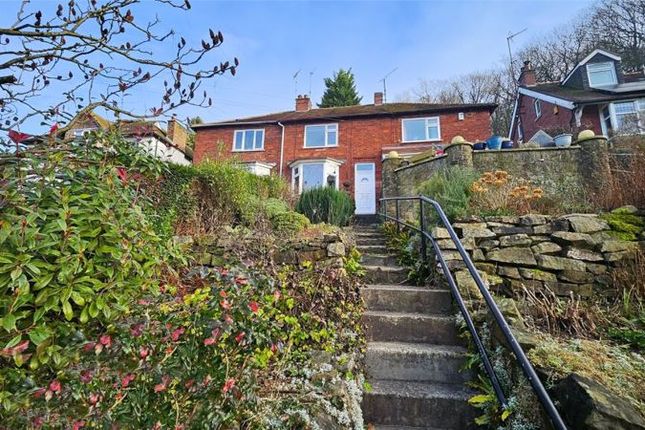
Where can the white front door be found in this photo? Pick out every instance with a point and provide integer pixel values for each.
(365, 188)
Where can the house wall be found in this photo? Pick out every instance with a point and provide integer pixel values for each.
(159, 149)
(359, 140)
(552, 116)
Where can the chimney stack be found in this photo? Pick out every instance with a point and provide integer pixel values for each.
(177, 133)
(527, 74)
(378, 98)
(303, 103)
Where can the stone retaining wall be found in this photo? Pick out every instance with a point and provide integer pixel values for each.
(568, 254)
(577, 171)
(324, 250)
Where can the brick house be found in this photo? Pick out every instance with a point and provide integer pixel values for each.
(168, 145)
(341, 146)
(596, 94)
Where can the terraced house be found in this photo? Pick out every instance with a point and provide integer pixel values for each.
(341, 146)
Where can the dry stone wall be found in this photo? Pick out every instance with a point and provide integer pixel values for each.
(569, 254)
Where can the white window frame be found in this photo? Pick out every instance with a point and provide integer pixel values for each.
(602, 67)
(427, 139)
(613, 116)
(82, 132)
(537, 106)
(243, 132)
(327, 127)
(329, 168)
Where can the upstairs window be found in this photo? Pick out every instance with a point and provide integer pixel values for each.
(601, 74)
(421, 129)
(537, 105)
(248, 140)
(321, 136)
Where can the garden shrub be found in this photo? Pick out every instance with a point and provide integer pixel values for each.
(232, 347)
(451, 188)
(326, 204)
(282, 218)
(498, 193)
(75, 245)
(103, 326)
(211, 195)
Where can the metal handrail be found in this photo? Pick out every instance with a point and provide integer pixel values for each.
(519, 353)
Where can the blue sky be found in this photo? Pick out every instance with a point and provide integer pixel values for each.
(429, 40)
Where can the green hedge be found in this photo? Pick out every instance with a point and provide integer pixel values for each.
(326, 204)
(213, 194)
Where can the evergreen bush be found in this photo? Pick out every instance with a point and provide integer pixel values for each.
(326, 204)
(451, 188)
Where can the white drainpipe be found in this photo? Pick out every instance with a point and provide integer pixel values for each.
(281, 147)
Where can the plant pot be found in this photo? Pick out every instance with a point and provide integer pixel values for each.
(563, 140)
(479, 146)
(507, 144)
(494, 143)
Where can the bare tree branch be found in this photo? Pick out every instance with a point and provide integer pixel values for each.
(91, 53)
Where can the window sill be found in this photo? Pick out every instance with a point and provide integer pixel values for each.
(247, 150)
(320, 147)
(422, 141)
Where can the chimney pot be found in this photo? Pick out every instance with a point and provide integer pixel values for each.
(527, 74)
(378, 98)
(303, 103)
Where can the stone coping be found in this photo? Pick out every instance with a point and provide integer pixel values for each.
(484, 151)
(429, 160)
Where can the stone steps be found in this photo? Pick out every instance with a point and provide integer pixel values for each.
(414, 353)
(416, 362)
(375, 259)
(382, 326)
(369, 240)
(385, 274)
(373, 249)
(403, 298)
(419, 404)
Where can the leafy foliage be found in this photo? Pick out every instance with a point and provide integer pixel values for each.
(326, 204)
(75, 245)
(127, 336)
(206, 197)
(451, 188)
(340, 90)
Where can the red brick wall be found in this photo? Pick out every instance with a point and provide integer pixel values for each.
(359, 140)
(552, 117)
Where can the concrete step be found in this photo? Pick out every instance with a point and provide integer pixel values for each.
(384, 326)
(369, 240)
(418, 404)
(378, 260)
(385, 274)
(369, 234)
(416, 362)
(372, 249)
(380, 427)
(401, 298)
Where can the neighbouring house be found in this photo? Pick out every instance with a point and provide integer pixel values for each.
(341, 146)
(168, 145)
(596, 94)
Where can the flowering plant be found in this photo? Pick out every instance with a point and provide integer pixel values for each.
(498, 192)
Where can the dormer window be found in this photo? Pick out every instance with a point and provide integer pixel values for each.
(601, 74)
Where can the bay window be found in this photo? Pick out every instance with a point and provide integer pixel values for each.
(309, 174)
